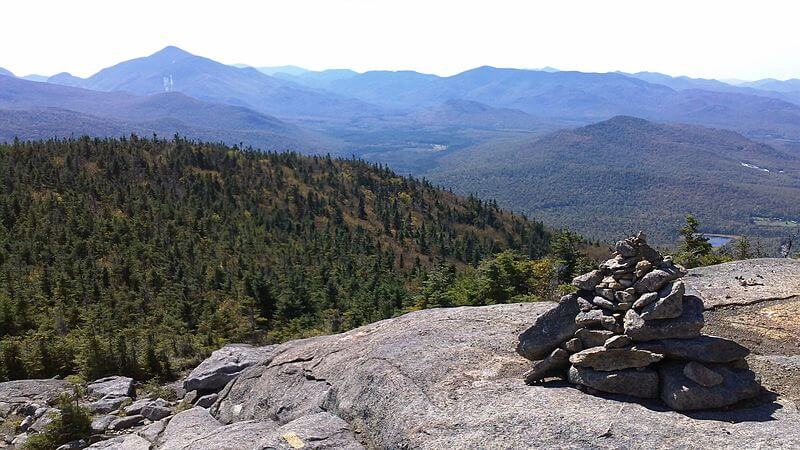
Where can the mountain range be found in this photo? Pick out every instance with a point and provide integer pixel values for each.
(626, 174)
(466, 131)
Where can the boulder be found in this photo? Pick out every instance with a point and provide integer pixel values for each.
(550, 329)
(701, 374)
(101, 423)
(124, 442)
(709, 349)
(603, 303)
(607, 359)
(107, 404)
(593, 338)
(688, 325)
(115, 386)
(125, 422)
(136, 407)
(449, 378)
(644, 300)
(156, 412)
(588, 318)
(153, 431)
(224, 365)
(187, 426)
(44, 420)
(669, 304)
(588, 281)
(554, 365)
(77, 444)
(206, 401)
(46, 391)
(634, 382)
(573, 345)
(682, 394)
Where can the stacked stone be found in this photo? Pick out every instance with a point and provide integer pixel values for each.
(631, 329)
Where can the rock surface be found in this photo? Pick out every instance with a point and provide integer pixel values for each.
(606, 359)
(126, 442)
(224, 365)
(186, 427)
(745, 282)
(413, 382)
(33, 391)
(115, 386)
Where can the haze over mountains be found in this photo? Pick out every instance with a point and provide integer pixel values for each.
(471, 123)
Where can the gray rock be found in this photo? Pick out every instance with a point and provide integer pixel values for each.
(123, 423)
(224, 365)
(642, 267)
(588, 318)
(190, 398)
(26, 423)
(573, 345)
(619, 265)
(44, 420)
(136, 407)
(605, 293)
(603, 303)
(33, 391)
(584, 304)
(588, 281)
(449, 378)
(77, 444)
(20, 440)
(185, 427)
(554, 365)
(701, 374)
(593, 338)
(156, 412)
(101, 423)
(317, 431)
(107, 404)
(231, 437)
(618, 341)
(669, 304)
(688, 325)
(642, 383)
(644, 300)
(607, 359)
(115, 386)
(550, 329)
(655, 280)
(682, 394)
(153, 431)
(625, 248)
(206, 401)
(124, 442)
(710, 349)
(624, 297)
(720, 285)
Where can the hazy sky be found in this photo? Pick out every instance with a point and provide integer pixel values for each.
(707, 38)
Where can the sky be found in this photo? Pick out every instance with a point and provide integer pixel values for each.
(700, 38)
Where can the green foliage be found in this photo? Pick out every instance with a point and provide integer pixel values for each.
(140, 256)
(508, 277)
(71, 423)
(695, 250)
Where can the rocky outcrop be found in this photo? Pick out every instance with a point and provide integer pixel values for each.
(224, 365)
(745, 282)
(414, 382)
(659, 321)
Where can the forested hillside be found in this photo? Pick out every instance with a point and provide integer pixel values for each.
(133, 256)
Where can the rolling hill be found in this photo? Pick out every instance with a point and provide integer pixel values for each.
(626, 174)
(56, 110)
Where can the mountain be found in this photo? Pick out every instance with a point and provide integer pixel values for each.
(175, 70)
(465, 113)
(67, 79)
(112, 250)
(55, 110)
(770, 84)
(755, 88)
(6, 72)
(629, 174)
(317, 80)
(288, 70)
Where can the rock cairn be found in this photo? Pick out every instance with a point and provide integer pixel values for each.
(631, 329)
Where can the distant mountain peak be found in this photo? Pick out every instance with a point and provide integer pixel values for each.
(6, 72)
(172, 52)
